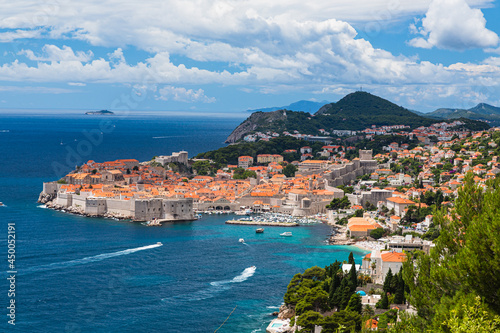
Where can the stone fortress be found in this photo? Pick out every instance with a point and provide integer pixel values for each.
(134, 209)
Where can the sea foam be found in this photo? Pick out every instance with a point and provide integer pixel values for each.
(215, 287)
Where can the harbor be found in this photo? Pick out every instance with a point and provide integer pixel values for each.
(262, 223)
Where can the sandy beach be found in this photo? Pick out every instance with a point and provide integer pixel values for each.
(369, 245)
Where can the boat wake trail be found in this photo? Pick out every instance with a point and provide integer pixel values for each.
(215, 288)
(169, 136)
(248, 272)
(86, 260)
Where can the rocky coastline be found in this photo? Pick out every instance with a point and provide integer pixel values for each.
(339, 236)
(44, 198)
(286, 312)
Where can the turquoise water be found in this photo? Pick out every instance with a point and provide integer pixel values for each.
(80, 274)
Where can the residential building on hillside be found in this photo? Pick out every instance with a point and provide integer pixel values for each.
(269, 158)
(245, 162)
(398, 204)
(377, 264)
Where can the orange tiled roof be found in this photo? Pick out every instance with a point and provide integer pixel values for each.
(399, 200)
(393, 257)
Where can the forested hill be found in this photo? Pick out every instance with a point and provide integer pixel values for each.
(369, 109)
(355, 111)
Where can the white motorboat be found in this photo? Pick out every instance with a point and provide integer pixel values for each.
(241, 240)
(286, 234)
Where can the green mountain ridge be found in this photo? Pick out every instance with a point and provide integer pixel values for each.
(482, 112)
(355, 111)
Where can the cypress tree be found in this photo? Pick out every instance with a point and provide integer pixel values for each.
(334, 285)
(383, 303)
(399, 297)
(351, 259)
(353, 278)
(387, 281)
(337, 295)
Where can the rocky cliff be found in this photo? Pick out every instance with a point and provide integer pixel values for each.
(258, 120)
(45, 197)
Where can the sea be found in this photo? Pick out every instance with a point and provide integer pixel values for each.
(79, 274)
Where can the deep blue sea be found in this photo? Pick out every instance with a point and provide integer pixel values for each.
(78, 274)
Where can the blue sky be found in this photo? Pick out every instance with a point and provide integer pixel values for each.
(230, 56)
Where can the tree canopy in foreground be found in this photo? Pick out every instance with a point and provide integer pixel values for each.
(462, 273)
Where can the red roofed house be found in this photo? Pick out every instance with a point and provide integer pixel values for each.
(370, 324)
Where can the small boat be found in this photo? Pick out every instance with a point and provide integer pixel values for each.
(159, 243)
(259, 230)
(286, 234)
(154, 223)
(241, 240)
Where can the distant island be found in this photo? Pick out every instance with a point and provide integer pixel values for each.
(101, 113)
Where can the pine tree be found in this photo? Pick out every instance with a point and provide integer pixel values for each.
(355, 303)
(465, 261)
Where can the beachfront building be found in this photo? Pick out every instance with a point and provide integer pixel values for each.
(361, 226)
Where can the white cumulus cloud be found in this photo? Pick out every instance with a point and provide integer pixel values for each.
(181, 94)
(453, 24)
(54, 53)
